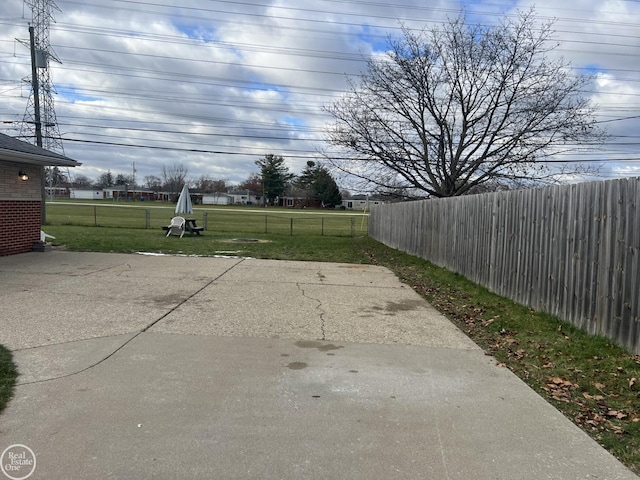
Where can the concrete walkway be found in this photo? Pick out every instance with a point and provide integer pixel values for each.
(157, 367)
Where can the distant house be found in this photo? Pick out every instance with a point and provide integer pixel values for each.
(56, 192)
(86, 194)
(21, 171)
(360, 202)
(217, 198)
(128, 192)
(245, 197)
(295, 201)
(118, 192)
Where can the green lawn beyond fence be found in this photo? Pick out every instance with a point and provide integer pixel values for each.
(225, 219)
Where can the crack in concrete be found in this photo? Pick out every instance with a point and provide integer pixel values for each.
(124, 271)
(321, 312)
(144, 330)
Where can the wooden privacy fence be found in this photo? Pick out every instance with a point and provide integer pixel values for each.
(572, 251)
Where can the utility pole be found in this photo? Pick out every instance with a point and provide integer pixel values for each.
(40, 114)
(133, 176)
(36, 88)
(41, 54)
(38, 124)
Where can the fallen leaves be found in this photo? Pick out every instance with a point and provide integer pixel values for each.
(560, 389)
(598, 416)
(617, 414)
(518, 354)
(594, 397)
(595, 421)
(486, 323)
(594, 413)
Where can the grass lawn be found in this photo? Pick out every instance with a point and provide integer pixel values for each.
(594, 383)
(8, 375)
(230, 219)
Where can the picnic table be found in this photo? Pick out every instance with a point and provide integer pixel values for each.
(190, 226)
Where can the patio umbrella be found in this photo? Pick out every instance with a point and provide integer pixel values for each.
(184, 202)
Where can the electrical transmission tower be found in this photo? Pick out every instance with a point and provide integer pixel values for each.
(40, 125)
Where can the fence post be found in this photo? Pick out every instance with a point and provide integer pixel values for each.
(291, 234)
(322, 231)
(205, 215)
(147, 217)
(353, 226)
(95, 216)
(266, 229)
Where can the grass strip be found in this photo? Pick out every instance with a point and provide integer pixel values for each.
(8, 376)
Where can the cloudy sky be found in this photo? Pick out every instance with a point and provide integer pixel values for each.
(214, 85)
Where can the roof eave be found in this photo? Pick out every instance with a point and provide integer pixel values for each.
(34, 159)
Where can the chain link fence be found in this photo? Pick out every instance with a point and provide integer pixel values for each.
(218, 220)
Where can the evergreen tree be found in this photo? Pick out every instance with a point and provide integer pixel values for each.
(317, 180)
(274, 176)
(105, 180)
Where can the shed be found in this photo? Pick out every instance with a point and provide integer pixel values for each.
(361, 202)
(86, 194)
(217, 199)
(21, 171)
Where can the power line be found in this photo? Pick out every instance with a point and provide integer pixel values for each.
(305, 107)
(310, 156)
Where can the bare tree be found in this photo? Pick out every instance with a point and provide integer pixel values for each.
(458, 106)
(253, 183)
(105, 180)
(152, 182)
(206, 184)
(55, 177)
(124, 179)
(173, 178)
(81, 181)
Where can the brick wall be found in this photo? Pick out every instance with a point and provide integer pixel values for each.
(20, 208)
(12, 188)
(20, 222)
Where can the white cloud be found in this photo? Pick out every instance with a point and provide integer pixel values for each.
(217, 84)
